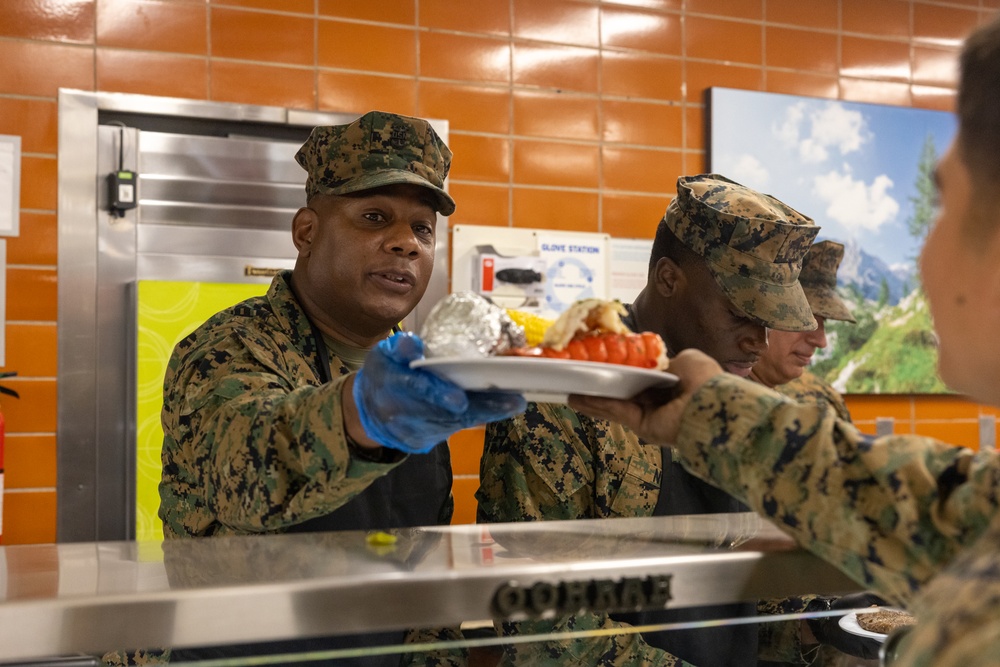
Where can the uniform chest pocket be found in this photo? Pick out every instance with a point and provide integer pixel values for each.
(639, 490)
(558, 471)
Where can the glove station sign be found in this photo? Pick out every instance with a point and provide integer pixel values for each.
(543, 271)
(577, 268)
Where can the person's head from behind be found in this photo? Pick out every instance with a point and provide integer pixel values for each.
(723, 270)
(960, 263)
(789, 352)
(366, 237)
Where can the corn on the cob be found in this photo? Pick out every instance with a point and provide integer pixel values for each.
(534, 325)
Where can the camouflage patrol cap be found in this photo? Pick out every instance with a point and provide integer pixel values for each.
(752, 243)
(375, 150)
(819, 281)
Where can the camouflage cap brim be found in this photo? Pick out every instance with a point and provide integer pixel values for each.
(775, 306)
(825, 302)
(443, 201)
(819, 280)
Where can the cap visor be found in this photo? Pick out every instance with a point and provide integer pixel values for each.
(828, 304)
(780, 307)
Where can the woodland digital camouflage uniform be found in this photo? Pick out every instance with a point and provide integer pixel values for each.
(222, 359)
(262, 346)
(912, 505)
(266, 347)
(951, 605)
(254, 439)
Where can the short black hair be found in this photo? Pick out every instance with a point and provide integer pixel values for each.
(979, 104)
(666, 244)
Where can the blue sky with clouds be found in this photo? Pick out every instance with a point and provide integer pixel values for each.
(850, 166)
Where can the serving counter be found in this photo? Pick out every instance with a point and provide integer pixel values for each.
(89, 598)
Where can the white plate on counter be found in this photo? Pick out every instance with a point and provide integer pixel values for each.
(546, 380)
(849, 623)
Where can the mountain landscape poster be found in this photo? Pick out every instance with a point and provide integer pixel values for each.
(864, 173)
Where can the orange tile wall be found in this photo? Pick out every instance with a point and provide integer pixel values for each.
(564, 114)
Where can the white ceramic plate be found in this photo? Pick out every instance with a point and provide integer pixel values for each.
(546, 380)
(849, 623)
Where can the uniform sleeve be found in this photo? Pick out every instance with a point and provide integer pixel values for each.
(957, 620)
(811, 389)
(250, 445)
(536, 467)
(889, 511)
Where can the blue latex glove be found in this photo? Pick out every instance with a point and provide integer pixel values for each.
(412, 410)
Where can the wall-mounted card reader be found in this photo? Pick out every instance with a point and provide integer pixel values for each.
(122, 191)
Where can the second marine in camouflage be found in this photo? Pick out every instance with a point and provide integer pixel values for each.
(720, 293)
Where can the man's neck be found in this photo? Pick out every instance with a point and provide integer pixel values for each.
(644, 312)
(334, 329)
(755, 378)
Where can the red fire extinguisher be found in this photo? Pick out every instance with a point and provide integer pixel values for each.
(9, 392)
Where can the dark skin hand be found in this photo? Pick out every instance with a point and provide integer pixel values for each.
(655, 415)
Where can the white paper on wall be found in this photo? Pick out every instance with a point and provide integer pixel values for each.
(10, 184)
(3, 302)
(629, 262)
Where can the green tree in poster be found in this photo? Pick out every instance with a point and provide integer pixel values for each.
(924, 201)
(883, 293)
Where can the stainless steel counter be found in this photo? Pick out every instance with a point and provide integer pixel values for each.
(94, 597)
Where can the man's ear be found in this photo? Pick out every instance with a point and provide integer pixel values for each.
(303, 229)
(668, 277)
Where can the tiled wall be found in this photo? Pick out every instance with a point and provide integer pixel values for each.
(565, 114)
